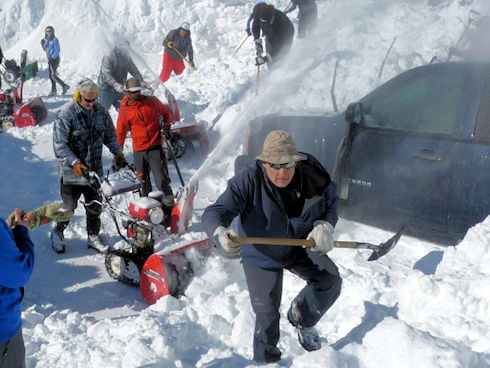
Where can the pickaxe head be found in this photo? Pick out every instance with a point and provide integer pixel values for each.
(383, 248)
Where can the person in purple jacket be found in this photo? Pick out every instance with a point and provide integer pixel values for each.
(51, 45)
(16, 265)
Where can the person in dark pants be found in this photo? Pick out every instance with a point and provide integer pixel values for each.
(51, 45)
(16, 265)
(307, 15)
(277, 29)
(283, 194)
(80, 131)
(147, 119)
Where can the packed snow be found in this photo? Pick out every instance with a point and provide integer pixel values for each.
(421, 305)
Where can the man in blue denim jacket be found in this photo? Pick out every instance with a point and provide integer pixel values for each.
(80, 131)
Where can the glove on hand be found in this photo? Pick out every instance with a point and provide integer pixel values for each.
(43, 44)
(322, 235)
(259, 60)
(119, 162)
(192, 65)
(119, 88)
(258, 47)
(249, 33)
(80, 168)
(221, 238)
(170, 44)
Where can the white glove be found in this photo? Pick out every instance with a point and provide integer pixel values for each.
(322, 235)
(221, 238)
(119, 88)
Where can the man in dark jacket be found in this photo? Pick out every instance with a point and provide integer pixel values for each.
(307, 15)
(283, 194)
(51, 45)
(113, 74)
(80, 131)
(16, 265)
(178, 44)
(277, 29)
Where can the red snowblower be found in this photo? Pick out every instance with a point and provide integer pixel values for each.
(141, 226)
(12, 110)
(185, 135)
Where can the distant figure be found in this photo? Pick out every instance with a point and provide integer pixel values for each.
(478, 41)
(51, 45)
(80, 131)
(178, 44)
(147, 119)
(307, 15)
(278, 31)
(114, 70)
(16, 265)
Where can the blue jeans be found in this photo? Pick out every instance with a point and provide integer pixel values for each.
(108, 98)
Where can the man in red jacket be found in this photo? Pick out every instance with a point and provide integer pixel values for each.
(142, 115)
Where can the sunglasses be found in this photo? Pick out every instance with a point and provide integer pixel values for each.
(88, 100)
(288, 165)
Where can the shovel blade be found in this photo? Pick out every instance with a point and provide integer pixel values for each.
(387, 246)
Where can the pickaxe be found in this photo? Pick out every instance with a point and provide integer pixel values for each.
(378, 250)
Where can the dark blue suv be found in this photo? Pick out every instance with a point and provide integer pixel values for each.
(415, 151)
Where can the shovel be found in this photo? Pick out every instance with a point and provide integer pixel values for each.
(378, 250)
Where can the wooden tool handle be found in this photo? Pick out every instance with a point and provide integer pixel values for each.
(275, 241)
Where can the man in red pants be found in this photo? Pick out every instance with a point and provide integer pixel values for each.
(178, 44)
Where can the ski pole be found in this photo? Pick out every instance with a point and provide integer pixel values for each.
(257, 80)
(171, 150)
(239, 47)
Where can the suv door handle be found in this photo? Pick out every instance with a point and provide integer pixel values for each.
(428, 155)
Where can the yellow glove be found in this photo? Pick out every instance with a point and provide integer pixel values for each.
(192, 65)
(80, 168)
(170, 44)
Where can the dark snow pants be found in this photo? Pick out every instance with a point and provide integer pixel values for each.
(53, 66)
(265, 288)
(13, 352)
(70, 194)
(153, 160)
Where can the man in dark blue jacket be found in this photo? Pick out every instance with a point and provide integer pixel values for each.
(16, 264)
(283, 194)
(277, 29)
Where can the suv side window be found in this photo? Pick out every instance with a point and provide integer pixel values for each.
(426, 103)
(482, 130)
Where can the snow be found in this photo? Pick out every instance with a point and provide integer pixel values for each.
(421, 305)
